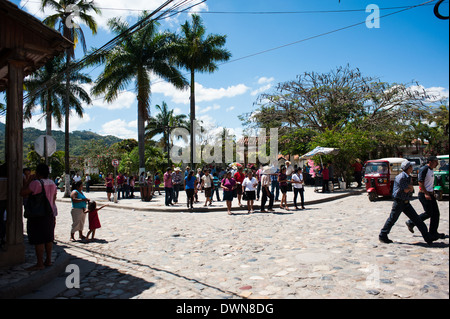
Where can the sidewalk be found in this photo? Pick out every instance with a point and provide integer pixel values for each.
(158, 202)
(16, 281)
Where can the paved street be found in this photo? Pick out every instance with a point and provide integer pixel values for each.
(329, 250)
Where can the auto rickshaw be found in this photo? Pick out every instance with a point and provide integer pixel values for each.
(379, 176)
(441, 177)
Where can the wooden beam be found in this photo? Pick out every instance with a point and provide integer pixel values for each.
(15, 248)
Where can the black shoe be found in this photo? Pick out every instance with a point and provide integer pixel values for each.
(384, 239)
(437, 236)
(410, 226)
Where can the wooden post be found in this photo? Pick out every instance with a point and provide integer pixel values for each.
(15, 248)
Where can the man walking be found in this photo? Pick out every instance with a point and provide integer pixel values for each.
(403, 189)
(427, 199)
(265, 182)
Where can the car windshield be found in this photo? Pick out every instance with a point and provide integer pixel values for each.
(377, 168)
(443, 165)
(415, 161)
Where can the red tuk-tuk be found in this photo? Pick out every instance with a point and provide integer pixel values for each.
(379, 176)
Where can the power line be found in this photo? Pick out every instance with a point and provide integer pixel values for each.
(328, 33)
(263, 12)
(112, 43)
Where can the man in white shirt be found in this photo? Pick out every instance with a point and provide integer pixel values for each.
(207, 185)
(297, 183)
(265, 183)
(76, 178)
(427, 199)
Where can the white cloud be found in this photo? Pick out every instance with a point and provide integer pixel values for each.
(125, 100)
(231, 108)
(264, 80)
(435, 94)
(75, 122)
(120, 128)
(202, 94)
(214, 107)
(266, 85)
(261, 89)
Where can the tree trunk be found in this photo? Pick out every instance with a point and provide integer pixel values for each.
(192, 117)
(67, 127)
(141, 135)
(48, 116)
(48, 124)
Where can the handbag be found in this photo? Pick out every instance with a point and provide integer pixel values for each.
(244, 196)
(37, 205)
(289, 187)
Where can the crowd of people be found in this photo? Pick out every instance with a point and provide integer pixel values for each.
(248, 185)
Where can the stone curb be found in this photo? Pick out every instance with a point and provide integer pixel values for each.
(163, 209)
(38, 279)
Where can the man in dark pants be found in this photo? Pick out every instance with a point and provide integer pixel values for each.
(402, 189)
(265, 182)
(426, 197)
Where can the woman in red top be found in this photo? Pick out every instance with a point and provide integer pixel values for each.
(239, 177)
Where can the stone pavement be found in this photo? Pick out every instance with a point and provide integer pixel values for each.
(329, 250)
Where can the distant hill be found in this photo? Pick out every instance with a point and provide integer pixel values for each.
(77, 140)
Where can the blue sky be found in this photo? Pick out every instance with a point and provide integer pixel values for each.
(409, 46)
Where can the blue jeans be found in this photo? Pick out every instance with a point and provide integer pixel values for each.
(275, 186)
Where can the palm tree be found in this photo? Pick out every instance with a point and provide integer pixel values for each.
(65, 9)
(52, 97)
(163, 123)
(139, 55)
(199, 53)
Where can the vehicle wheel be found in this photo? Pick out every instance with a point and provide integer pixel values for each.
(372, 197)
(438, 195)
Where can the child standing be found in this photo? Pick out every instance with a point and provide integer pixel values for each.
(94, 222)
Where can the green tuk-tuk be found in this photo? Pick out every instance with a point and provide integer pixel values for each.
(441, 177)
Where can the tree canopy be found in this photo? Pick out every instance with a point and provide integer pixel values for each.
(362, 115)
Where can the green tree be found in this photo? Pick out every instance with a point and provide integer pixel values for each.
(337, 101)
(139, 55)
(61, 20)
(351, 142)
(163, 123)
(198, 52)
(431, 126)
(51, 99)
